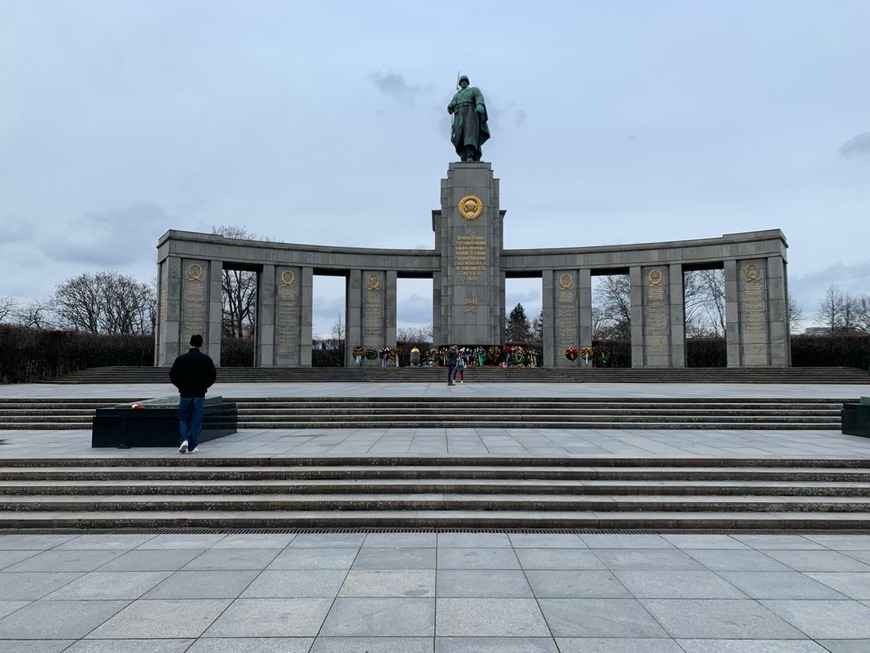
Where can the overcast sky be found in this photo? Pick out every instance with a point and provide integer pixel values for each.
(326, 123)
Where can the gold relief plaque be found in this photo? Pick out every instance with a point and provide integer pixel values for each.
(566, 281)
(194, 272)
(288, 278)
(655, 277)
(374, 282)
(470, 207)
(751, 272)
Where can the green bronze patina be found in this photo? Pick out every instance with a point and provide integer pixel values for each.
(470, 129)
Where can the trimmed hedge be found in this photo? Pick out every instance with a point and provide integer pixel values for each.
(852, 350)
(33, 355)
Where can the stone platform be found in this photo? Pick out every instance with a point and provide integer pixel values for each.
(154, 423)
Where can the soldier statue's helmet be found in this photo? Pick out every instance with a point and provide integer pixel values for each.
(465, 77)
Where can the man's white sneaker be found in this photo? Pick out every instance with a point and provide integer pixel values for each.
(194, 450)
(183, 447)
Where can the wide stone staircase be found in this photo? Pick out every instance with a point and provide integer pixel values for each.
(434, 492)
(566, 374)
(469, 412)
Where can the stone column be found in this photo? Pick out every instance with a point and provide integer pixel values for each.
(777, 297)
(732, 315)
(168, 327)
(565, 304)
(651, 321)
(469, 235)
(584, 289)
(677, 312)
(214, 311)
(371, 313)
(353, 315)
(306, 316)
(264, 342)
(190, 302)
(287, 288)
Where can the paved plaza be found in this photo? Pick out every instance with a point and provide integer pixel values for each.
(446, 592)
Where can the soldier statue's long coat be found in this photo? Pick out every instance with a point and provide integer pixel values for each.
(469, 123)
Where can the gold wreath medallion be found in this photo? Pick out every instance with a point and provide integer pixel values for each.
(470, 207)
(374, 282)
(288, 278)
(566, 281)
(751, 272)
(655, 277)
(194, 272)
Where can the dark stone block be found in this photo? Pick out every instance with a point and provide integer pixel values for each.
(154, 423)
(855, 419)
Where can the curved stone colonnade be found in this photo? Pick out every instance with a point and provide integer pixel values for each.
(468, 267)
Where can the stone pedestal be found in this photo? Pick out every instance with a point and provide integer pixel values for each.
(469, 288)
(154, 423)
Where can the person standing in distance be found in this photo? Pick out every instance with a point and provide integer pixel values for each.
(193, 374)
(452, 356)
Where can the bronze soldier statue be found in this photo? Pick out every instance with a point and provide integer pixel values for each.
(470, 130)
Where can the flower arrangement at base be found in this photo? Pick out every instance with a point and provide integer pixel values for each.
(517, 354)
(358, 354)
(385, 354)
(533, 357)
(433, 356)
(571, 353)
(586, 354)
(394, 355)
(371, 354)
(495, 354)
(480, 354)
(601, 357)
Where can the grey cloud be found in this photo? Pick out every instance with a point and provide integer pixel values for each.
(856, 146)
(112, 238)
(520, 117)
(809, 289)
(394, 85)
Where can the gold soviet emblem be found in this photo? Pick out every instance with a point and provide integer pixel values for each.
(470, 207)
(374, 282)
(288, 278)
(751, 272)
(566, 281)
(655, 277)
(194, 272)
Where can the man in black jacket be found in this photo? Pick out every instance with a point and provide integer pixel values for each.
(192, 373)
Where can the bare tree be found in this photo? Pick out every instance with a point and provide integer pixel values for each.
(704, 302)
(611, 316)
(106, 302)
(415, 334)
(238, 290)
(8, 308)
(37, 314)
(831, 310)
(862, 313)
(795, 315)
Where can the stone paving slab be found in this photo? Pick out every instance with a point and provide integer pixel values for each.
(568, 592)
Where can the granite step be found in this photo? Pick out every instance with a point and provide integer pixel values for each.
(453, 519)
(621, 474)
(428, 486)
(414, 502)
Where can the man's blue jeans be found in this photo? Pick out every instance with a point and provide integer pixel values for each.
(190, 420)
(450, 369)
